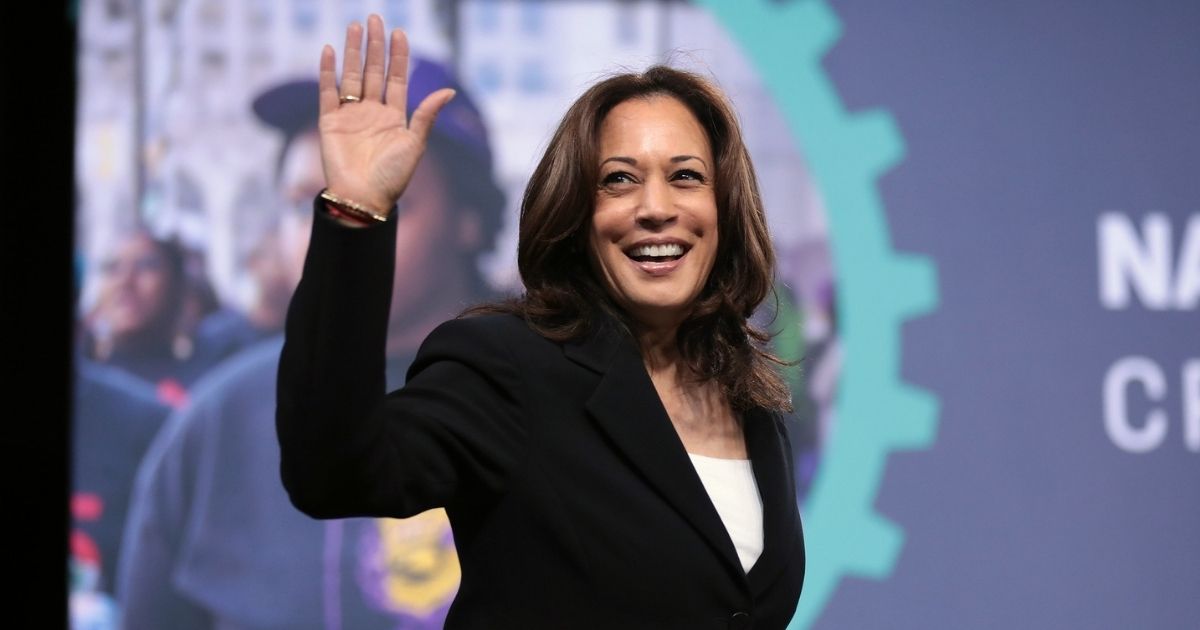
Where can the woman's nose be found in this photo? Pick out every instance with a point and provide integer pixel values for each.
(657, 205)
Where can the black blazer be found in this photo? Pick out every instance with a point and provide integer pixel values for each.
(572, 499)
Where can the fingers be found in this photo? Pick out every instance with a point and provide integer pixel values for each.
(397, 75)
(427, 111)
(373, 71)
(352, 75)
(369, 81)
(327, 82)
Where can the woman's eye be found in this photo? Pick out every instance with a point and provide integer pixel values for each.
(617, 177)
(688, 174)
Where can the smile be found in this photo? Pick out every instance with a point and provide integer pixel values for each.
(657, 258)
(657, 252)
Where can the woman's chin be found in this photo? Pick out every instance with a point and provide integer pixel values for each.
(659, 311)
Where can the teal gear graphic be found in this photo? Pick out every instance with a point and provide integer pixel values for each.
(878, 289)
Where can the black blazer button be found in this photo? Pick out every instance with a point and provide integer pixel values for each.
(740, 621)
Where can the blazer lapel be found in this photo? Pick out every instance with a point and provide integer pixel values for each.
(628, 408)
(770, 459)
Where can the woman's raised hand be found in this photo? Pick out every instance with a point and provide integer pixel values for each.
(369, 147)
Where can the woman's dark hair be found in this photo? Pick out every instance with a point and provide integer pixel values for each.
(716, 341)
(173, 258)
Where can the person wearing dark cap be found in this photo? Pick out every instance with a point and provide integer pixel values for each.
(211, 539)
(610, 446)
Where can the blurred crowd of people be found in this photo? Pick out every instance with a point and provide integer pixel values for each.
(179, 518)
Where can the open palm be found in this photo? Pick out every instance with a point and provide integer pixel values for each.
(369, 147)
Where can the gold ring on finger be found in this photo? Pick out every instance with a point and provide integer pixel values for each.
(349, 98)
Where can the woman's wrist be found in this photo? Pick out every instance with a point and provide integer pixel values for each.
(351, 210)
(341, 217)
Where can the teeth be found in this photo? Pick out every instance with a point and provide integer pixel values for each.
(657, 251)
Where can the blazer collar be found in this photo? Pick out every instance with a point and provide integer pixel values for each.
(771, 459)
(628, 408)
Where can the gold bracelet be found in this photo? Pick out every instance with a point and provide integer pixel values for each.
(355, 209)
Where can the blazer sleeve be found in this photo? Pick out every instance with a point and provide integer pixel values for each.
(348, 448)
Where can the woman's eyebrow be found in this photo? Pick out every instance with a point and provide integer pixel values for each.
(684, 158)
(620, 158)
(632, 162)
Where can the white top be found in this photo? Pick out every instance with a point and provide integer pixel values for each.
(731, 486)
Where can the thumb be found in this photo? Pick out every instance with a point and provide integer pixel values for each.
(427, 111)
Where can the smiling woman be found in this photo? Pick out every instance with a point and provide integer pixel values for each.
(653, 159)
(609, 446)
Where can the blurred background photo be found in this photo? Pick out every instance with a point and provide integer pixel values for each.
(988, 238)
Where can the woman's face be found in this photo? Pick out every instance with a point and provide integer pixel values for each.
(134, 282)
(654, 229)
